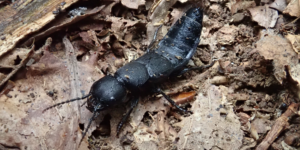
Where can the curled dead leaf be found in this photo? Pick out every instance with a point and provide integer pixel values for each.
(226, 35)
(206, 128)
(279, 5)
(264, 16)
(184, 97)
(293, 8)
(295, 41)
(240, 5)
(133, 4)
(276, 48)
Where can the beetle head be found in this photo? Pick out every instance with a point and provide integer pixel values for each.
(106, 92)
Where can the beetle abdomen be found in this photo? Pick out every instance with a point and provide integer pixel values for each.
(181, 41)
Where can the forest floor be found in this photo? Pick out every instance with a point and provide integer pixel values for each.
(54, 51)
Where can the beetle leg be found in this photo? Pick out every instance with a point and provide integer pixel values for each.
(196, 68)
(83, 103)
(154, 39)
(95, 114)
(124, 119)
(171, 101)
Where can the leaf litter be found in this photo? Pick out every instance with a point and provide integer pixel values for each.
(244, 101)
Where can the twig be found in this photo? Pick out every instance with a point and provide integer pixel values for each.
(31, 54)
(291, 22)
(18, 67)
(155, 5)
(9, 86)
(280, 124)
(209, 98)
(189, 131)
(6, 67)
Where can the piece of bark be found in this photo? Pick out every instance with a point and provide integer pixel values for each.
(60, 24)
(19, 20)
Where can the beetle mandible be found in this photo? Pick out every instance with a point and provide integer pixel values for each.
(169, 58)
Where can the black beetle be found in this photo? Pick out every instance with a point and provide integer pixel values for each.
(169, 58)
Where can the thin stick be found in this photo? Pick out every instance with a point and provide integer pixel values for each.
(281, 124)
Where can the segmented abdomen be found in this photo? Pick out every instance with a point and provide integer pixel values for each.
(181, 41)
(173, 52)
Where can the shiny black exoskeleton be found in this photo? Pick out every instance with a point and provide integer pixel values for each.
(169, 58)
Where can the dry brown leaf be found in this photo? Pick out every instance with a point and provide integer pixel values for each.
(133, 4)
(237, 17)
(86, 37)
(264, 16)
(93, 36)
(226, 35)
(184, 97)
(276, 48)
(244, 118)
(281, 22)
(119, 25)
(238, 97)
(151, 136)
(279, 5)
(156, 17)
(211, 40)
(58, 127)
(211, 125)
(292, 139)
(157, 135)
(295, 41)
(241, 5)
(248, 143)
(294, 71)
(216, 9)
(206, 37)
(293, 8)
(12, 56)
(18, 66)
(105, 12)
(261, 125)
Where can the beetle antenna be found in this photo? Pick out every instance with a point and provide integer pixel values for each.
(95, 114)
(68, 101)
